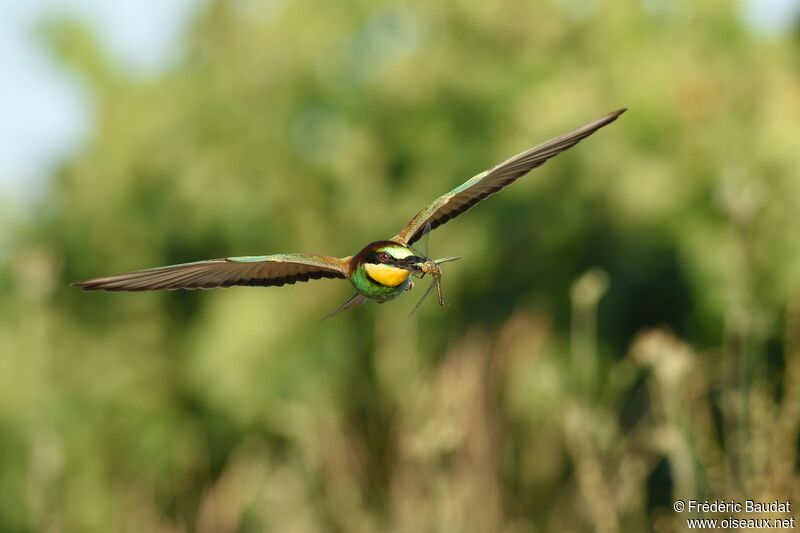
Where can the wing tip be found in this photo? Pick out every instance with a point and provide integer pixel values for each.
(614, 115)
(602, 122)
(82, 285)
(95, 285)
(107, 284)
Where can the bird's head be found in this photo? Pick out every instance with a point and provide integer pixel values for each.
(387, 262)
(390, 263)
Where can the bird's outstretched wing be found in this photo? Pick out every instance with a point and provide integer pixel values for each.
(490, 181)
(260, 270)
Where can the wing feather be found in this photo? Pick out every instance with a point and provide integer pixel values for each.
(265, 270)
(477, 188)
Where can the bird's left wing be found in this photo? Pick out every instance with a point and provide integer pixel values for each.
(261, 270)
(490, 181)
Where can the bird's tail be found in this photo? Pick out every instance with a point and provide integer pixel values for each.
(354, 301)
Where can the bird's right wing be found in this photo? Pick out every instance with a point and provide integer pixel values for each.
(261, 270)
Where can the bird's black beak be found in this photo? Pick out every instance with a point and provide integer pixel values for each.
(413, 263)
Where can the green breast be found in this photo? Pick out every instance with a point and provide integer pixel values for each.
(374, 290)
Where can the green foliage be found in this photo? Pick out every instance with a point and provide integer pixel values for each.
(622, 333)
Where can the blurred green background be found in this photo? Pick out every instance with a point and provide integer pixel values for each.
(623, 331)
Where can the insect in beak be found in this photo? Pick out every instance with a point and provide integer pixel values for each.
(414, 264)
(420, 266)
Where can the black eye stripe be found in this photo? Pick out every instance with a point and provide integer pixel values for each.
(379, 257)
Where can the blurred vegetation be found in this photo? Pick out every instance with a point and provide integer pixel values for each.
(624, 331)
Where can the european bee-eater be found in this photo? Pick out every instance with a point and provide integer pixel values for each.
(381, 271)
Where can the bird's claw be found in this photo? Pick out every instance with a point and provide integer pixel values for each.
(410, 285)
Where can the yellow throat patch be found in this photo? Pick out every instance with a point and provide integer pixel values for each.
(387, 274)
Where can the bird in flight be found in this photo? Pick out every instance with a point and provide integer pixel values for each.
(381, 271)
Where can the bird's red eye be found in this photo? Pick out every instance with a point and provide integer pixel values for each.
(384, 257)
